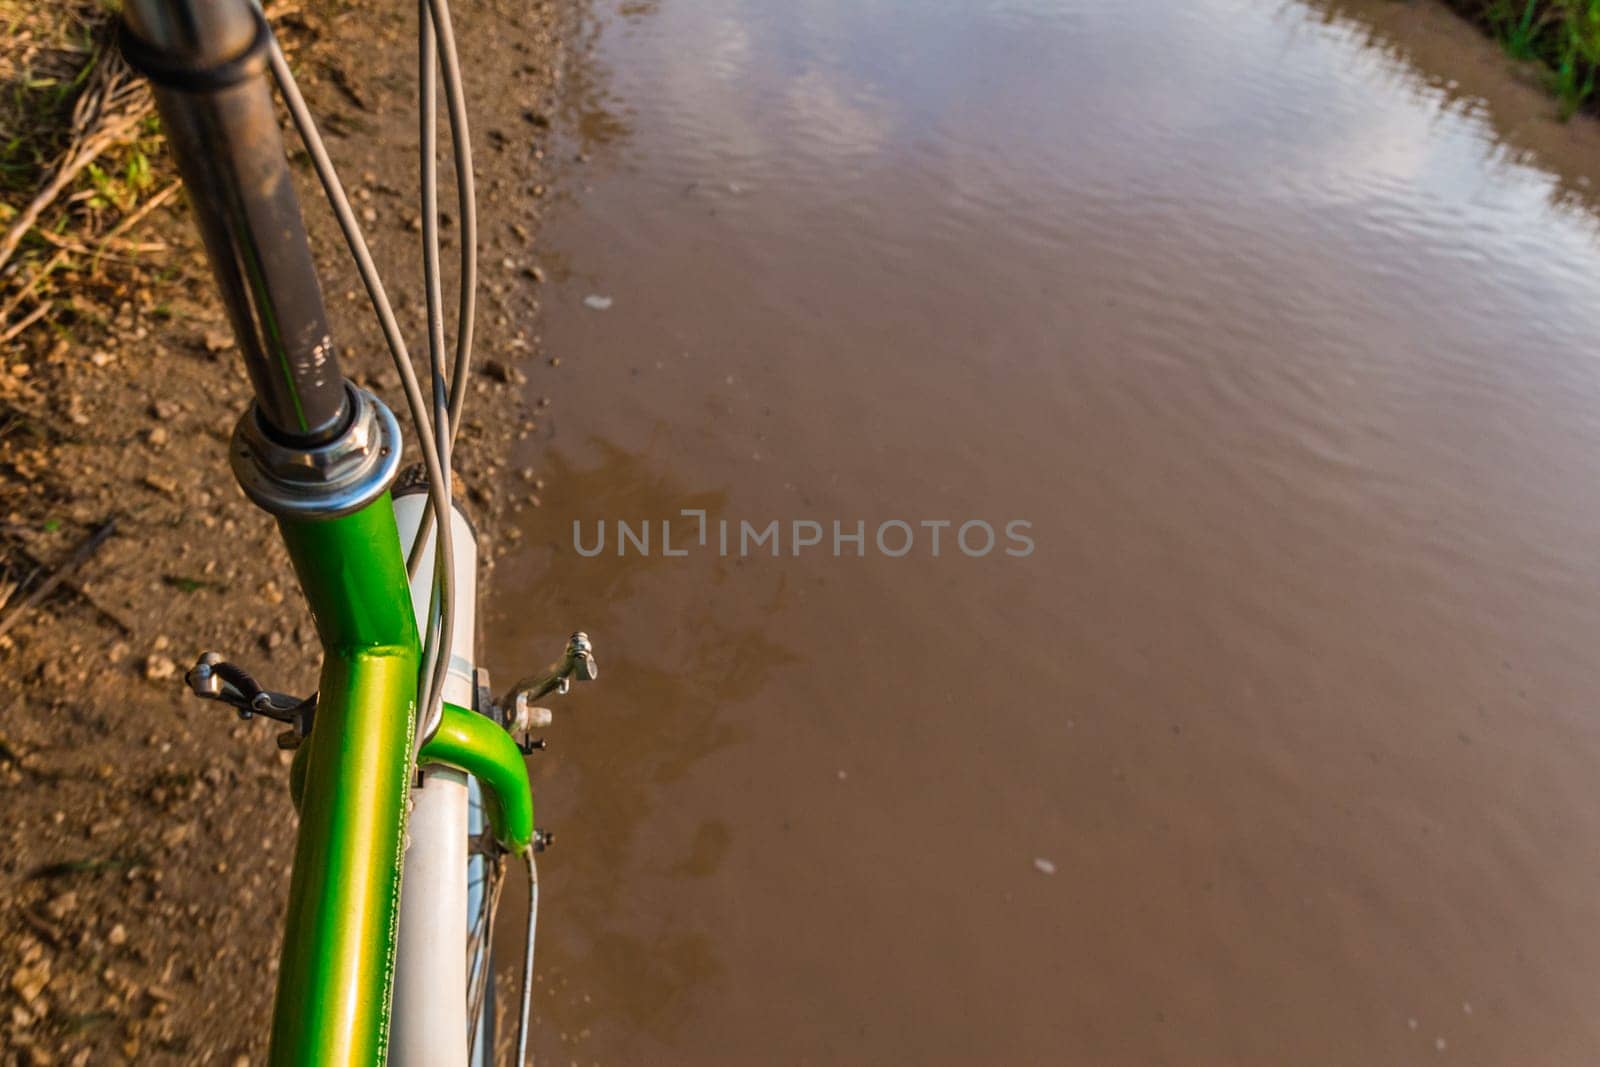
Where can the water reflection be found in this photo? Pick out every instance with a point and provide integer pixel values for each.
(1441, 62)
(649, 727)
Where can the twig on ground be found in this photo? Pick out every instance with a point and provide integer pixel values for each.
(33, 283)
(27, 320)
(80, 555)
(132, 220)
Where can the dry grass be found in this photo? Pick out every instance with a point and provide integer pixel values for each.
(78, 160)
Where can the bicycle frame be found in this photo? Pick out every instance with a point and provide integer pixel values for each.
(352, 775)
(351, 780)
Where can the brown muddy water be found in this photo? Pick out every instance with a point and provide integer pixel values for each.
(1276, 324)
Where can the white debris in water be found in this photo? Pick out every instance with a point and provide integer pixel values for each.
(596, 301)
(1411, 1024)
(1439, 1044)
(1466, 1008)
(1044, 866)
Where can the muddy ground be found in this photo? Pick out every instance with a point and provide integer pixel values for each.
(147, 835)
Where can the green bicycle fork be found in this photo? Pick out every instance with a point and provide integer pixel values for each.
(350, 781)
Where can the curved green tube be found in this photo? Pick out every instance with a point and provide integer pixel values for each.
(477, 745)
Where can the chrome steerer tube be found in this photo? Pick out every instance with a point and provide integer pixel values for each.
(207, 60)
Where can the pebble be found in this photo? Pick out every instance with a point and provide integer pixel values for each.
(597, 302)
(1044, 866)
(28, 981)
(62, 905)
(158, 668)
(118, 935)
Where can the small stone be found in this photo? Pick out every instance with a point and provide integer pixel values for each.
(161, 484)
(218, 341)
(29, 981)
(156, 436)
(1044, 866)
(536, 273)
(165, 410)
(158, 668)
(596, 302)
(498, 370)
(62, 905)
(101, 358)
(118, 935)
